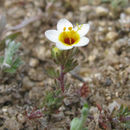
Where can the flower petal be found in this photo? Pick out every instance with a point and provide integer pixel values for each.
(84, 29)
(83, 42)
(61, 46)
(63, 23)
(52, 35)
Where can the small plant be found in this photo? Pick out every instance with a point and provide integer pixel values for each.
(10, 59)
(9, 62)
(78, 123)
(123, 116)
(66, 38)
(119, 116)
(52, 101)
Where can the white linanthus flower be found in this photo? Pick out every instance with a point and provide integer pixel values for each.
(66, 36)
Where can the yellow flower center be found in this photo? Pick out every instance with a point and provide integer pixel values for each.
(69, 37)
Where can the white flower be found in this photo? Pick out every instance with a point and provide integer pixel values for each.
(66, 36)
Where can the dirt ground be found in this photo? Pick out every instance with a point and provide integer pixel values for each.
(103, 63)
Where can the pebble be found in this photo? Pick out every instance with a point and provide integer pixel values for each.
(62, 108)
(86, 8)
(108, 98)
(70, 100)
(36, 93)
(20, 118)
(108, 82)
(127, 10)
(124, 22)
(39, 51)
(12, 124)
(36, 74)
(18, 12)
(111, 36)
(101, 11)
(1, 121)
(4, 109)
(98, 76)
(27, 83)
(113, 105)
(58, 116)
(33, 62)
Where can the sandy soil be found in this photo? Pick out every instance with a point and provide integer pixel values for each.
(104, 63)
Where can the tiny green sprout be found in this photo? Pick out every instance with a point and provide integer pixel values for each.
(78, 123)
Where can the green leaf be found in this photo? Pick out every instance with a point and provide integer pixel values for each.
(10, 70)
(11, 49)
(70, 65)
(10, 61)
(14, 66)
(78, 123)
(75, 124)
(52, 72)
(17, 63)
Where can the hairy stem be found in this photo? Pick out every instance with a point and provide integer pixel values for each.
(61, 79)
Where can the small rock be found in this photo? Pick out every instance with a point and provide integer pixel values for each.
(36, 93)
(62, 108)
(86, 8)
(101, 11)
(83, 17)
(67, 102)
(93, 110)
(127, 10)
(1, 121)
(33, 62)
(70, 100)
(113, 105)
(39, 51)
(12, 124)
(37, 23)
(108, 98)
(58, 116)
(108, 82)
(25, 34)
(36, 74)
(124, 22)
(111, 36)
(27, 83)
(21, 118)
(98, 76)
